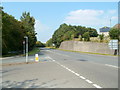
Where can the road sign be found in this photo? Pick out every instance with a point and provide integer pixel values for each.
(113, 44)
(36, 58)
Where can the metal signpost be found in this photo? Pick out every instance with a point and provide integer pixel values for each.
(113, 44)
(26, 48)
(23, 47)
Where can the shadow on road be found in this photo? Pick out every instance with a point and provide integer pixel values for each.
(82, 60)
(23, 84)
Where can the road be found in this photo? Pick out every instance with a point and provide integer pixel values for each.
(61, 69)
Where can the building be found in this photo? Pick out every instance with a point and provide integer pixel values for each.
(104, 30)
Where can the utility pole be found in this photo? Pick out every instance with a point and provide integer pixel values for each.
(26, 38)
(110, 22)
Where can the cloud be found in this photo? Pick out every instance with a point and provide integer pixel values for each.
(112, 11)
(89, 18)
(42, 30)
(114, 18)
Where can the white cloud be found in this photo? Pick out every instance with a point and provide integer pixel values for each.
(114, 18)
(112, 11)
(42, 31)
(89, 18)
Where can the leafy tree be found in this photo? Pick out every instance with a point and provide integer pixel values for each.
(39, 44)
(92, 32)
(12, 34)
(49, 43)
(86, 36)
(28, 23)
(68, 32)
(101, 37)
(80, 37)
(114, 33)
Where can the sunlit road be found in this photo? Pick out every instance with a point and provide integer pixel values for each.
(60, 69)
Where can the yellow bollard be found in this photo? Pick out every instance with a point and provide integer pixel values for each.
(36, 58)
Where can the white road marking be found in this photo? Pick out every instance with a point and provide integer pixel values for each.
(88, 81)
(82, 77)
(72, 71)
(77, 74)
(31, 59)
(111, 65)
(57, 53)
(97, 86)
(53, 60)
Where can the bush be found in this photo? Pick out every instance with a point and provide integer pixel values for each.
(86, 36)
(101, 37)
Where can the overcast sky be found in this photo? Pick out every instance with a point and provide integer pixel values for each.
(49, 15)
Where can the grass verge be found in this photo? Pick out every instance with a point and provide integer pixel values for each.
(86, 52)
(34, 51)
(51, 47)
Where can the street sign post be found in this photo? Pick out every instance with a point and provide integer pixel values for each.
(26, 48)
(113, 44)
(23, 47)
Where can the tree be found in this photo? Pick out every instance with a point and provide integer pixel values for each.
(39, 44)
(86, 36)
(68, 32)
(12, 34)
(28, 23)
(49, 43)
(80, 37)
(101, 37)
(92, 32)
(114, 33)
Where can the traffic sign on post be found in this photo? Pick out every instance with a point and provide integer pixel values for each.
(113, 44)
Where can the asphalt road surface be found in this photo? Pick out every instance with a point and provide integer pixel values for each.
(61, 69)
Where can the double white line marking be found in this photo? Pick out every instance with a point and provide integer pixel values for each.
(87, 80)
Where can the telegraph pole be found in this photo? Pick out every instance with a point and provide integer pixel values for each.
(110, 22)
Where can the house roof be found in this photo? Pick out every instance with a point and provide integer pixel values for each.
(105, 29)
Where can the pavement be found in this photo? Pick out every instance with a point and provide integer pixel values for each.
(60, 69)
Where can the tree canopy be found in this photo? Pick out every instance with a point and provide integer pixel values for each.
(68, 32)
(114, 33)
(13, 32)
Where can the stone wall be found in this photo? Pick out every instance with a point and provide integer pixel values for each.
(93, 47)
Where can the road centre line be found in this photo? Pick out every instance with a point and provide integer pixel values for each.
(57, 53)
(95, 85)
(111, 65)
(88, 81)
(104, 64)
(90, 61)
(82, 77)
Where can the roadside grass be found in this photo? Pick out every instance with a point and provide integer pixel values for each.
(51, 47)
(34, 51)
(86, 52)
(10, 54)
(82, 52)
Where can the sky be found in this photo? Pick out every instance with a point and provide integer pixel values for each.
(50, 15)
